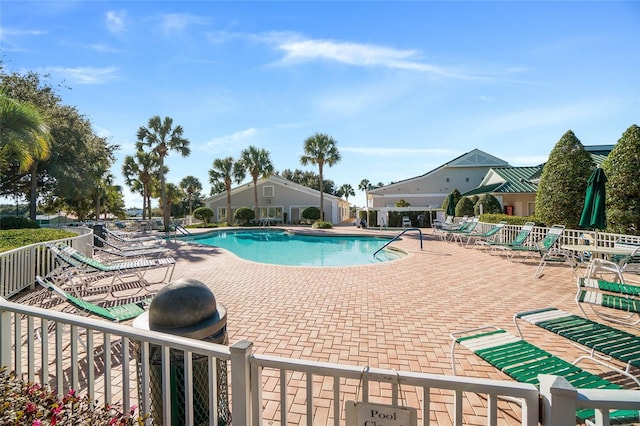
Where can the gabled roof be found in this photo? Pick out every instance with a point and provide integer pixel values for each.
(276, 180)
(473, 158)
(510, 180)
(599, 152)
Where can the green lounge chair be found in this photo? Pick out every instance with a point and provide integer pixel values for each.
(112, 251)
(464, 229)
(72, 264)
(621, 299)
(523, 362)
(520, 238)
(597, 337)
(114, 313)
(489, 235)
(544, 247)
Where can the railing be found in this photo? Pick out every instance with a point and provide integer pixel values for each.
(398, 236)
(19, 267)
(122, 373)
(260, 384)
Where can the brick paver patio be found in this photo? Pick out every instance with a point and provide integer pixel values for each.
(394, 315)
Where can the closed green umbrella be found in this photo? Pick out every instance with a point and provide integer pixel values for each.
(594, 214)
(451, 206)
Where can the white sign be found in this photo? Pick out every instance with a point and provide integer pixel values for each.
(369, 414)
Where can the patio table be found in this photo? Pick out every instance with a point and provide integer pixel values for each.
(601, 251)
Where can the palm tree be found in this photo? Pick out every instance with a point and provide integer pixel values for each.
(24, 135)
(227, 171)
(162, 137)
(320, 149)
(24, 139)
(347, 191)
(258, 164)
(174, 193)
(365, 186)
(191, 185)
(138, 172)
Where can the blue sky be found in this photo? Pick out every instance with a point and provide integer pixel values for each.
(402, 86)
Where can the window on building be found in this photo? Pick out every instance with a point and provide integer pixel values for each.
(270, 211)
(222, 214)
(267, 191)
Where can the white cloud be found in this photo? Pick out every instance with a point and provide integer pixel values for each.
(176, 22)
(85, 75)
(356, 54)
(239, 136)
(8, 36)
(115, 21)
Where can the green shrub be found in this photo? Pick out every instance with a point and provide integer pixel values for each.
(464, 207)
(311, 213)
(322, 225)
(204, 214)
(16, 238)
(244, 214)
(17, 222)
(489, 203)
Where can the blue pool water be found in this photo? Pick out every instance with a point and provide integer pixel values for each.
(283, 248)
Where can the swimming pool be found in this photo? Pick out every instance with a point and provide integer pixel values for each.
(280, 247)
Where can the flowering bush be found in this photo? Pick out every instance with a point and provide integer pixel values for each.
(30, 404)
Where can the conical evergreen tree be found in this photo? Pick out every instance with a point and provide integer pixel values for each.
(622, 167)
(563, 183)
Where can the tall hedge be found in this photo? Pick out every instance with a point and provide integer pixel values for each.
(563, 183)
(622, 167)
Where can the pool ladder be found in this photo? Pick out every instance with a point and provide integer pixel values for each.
(398, 236)
(179, 228)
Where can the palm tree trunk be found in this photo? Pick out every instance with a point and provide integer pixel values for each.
(228, 188)
(165, 207)
(321, 193)
(34, 191)
(255, 196)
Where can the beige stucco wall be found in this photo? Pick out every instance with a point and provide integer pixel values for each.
(288, 196)
(430, 190)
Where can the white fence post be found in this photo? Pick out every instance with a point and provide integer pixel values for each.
(240, 380)
(558, 400)
(5, 337)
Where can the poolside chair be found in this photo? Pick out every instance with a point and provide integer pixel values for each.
(110, 251)
(465, 228)
(489, 235)
(519, 239)
(524, 362)
(439, 225)
(544, 247)
(74, 265)
(591, 335)
(127, 239)
(629, 265)
(114, 313)
(622, 301)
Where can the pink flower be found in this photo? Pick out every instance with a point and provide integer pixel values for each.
(36, 423)
(31, 407)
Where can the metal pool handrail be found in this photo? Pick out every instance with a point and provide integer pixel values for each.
(398, 236)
